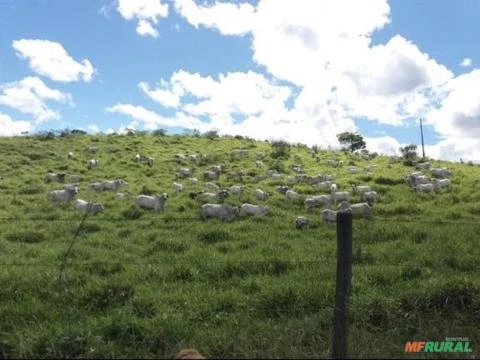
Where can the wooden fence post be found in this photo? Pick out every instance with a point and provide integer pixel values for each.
(343, 284)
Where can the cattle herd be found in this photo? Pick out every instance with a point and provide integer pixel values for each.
(212, 199)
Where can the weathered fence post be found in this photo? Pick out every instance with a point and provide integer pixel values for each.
(342, 291)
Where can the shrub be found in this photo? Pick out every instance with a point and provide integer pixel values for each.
(31, 190)
(212, 134)
(280, 149)
(159, 132)
(388, 181)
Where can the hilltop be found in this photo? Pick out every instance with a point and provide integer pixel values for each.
(147, 284)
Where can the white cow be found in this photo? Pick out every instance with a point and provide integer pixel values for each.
(441, 183)
(352, 170)
(60, 177)
(97, 186)
(317, 201)
(180, 157)
(423, 166)
(224, 212)
(261, 195)
(70, 155)
(92, 163)
(282, 189)
(63, 195)
(428, 188)
(184, 172)
(156, 202)
(193, 180)
(138, 158)
(210, 186)
(259, 164)
(113, 184)
(358, 210)
(122, 196)
(236, 189)
(177, 186)
(272, 172)
(211, 175)
(369, 196)
(329, 215)
(333, 188)
(340, 196)
(440, 172)
(85, 206)
(249, 209)
(325, 185)
(291, 195)
(206, 197)
(360, 189)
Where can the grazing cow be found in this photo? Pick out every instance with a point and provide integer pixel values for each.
(70, 155)
(193, 157)
(180, 157)
(329, 215)
(352, 169)
(85, 206)
(291, 195)
(236, 189)
(357, 210)
(184, 172)
(177, 186)
(249, 209)
(122, 196)
(258, 178)
(113, 184)
(302, 178)
(70, 186)
(138, 158)
(360, 189)
(423, 166)
(369, 196)
(441, 183)
(224, 212)
(333, 188)
(428, 188)
(325, 185)
(297, 168)
(150, 161)
(317, 201)
(301, 223)
(192, 180)
(156, 202)
(92, 163)
(259, 164)
(211, 175)
(313, 180)
(63, 195)
(272, 172)
(210, 186)
(440, 172)
(60, 177)
(261, 195)
(340, 196)
(206, 197)
(97, 186)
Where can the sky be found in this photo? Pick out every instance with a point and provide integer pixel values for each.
(296, 70)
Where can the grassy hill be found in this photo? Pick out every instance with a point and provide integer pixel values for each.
(139, 283)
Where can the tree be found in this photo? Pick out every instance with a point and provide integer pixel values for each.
(409, 152)
(280, 149)
(352, 141)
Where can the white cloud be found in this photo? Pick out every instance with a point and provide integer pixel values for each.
(467, 62)
(93, 128)
(151, 120)
(30, 96)
(50, 59)
(162, 96)
(146, 12)
(228, 18)
(9, 127)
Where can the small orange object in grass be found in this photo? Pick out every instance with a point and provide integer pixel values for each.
(189, 354)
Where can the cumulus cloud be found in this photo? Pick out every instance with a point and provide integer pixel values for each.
(50, 59)
(228, 18)
(146, 12)
(467, 62)
(30, 96)
(9, 127)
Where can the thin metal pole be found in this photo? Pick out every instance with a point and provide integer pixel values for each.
(421, 132)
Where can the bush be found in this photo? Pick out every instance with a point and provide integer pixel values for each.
(280, 149)
(388, 181)
(159, 132)
(212, 134)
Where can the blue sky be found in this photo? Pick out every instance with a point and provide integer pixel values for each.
(300, 70)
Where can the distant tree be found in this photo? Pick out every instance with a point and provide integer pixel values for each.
(409, 152)
(159, 132)
(212, 134)
(280, 149)
(351, 141)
